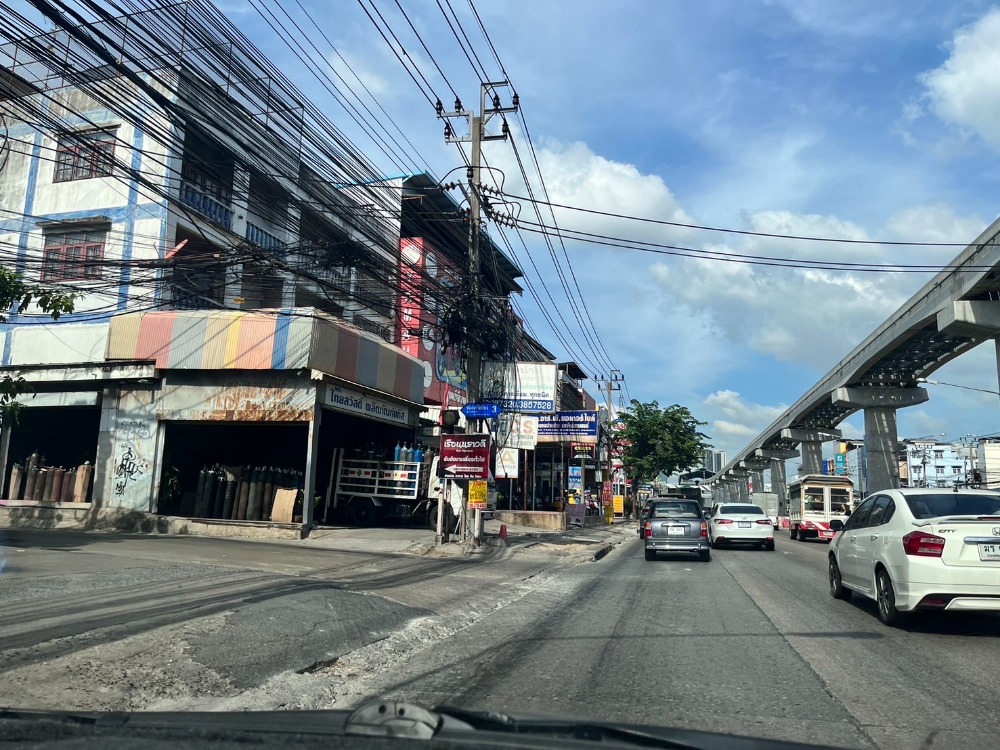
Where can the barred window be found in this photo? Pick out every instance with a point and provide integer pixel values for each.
(74, 255)
(84, 155)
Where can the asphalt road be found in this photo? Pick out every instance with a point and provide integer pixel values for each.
(750, 643)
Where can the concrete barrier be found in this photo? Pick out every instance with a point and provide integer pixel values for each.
(538, 519)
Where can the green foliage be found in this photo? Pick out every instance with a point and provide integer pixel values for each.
(14, 290)
(660, 440)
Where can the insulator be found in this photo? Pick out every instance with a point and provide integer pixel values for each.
(439, 107)
(515, 100)
(458, 104)
(505, 129)
(496, 101)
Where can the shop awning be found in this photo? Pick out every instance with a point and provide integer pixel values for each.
(286, 339)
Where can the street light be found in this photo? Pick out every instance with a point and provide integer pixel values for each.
(956, 385)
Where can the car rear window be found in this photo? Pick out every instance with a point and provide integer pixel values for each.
(676, 510)
(933, 505)
(741, 509)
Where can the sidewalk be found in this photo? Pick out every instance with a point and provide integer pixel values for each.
(593, 541)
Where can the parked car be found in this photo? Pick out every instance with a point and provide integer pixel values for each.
(676, 526)
(740, 523)
(920, 549)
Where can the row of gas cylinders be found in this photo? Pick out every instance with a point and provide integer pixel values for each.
(241, 494)
(50, 484)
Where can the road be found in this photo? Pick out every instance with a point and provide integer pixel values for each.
(749, 643)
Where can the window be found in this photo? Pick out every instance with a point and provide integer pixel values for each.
(939, 454)
(75, 255)
(881, 511)
(859, 518)
(750, 509)
(813, 500)
(80, 156)
(675, 510)
(953, 504)
(939, 470)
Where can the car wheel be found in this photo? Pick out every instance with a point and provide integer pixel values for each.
(885, 595)
(651, 554)
(793, 533)
(837, 590)
(769, 546)
(705, 555)
(801, 536)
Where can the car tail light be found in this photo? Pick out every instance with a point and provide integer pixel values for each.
(647, 530)
(704, 529)
(765, 522)
(723, 521)
(922, 544)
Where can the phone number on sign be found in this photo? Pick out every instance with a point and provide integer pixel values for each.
(527, 404)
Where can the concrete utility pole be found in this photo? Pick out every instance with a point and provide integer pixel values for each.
(477, 134)
(611, 384)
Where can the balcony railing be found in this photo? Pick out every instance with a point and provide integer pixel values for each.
(262, 238)
(206, 205)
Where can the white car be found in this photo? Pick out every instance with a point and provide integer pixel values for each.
(740, 523)
(920, 549)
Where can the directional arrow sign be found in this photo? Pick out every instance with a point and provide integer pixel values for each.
(481, 411)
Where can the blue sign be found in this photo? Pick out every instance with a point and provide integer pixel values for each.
(528, 405)
(569, 426)
(576, 478)
(481, 411)
(840, 464)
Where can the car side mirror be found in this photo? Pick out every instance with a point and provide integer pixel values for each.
(836, 525)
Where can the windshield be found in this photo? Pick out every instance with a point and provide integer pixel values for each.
(933, 505)
(747, 509)
(343, 343)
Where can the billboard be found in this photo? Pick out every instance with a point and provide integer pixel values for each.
(425, 276)
(568, 426)
(517, 431)
(527, 387)
(465, 456)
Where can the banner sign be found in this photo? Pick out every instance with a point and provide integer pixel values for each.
(355, 402)
(506, 466)
(575, 479)
(478, 495)
(465, 456)
(521, 386)
(517, 431)
(568, 426)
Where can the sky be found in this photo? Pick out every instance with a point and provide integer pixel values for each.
(848, 120)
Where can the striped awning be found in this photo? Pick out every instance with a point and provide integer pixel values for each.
(286, 339)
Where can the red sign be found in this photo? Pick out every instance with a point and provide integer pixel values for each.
(465, 456)
(606, 494)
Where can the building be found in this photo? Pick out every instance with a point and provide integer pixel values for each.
(238, 264)
(931, 463)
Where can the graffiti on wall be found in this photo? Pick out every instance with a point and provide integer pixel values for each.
(128, 469)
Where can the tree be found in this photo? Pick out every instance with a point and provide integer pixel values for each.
(659, 440)
(14, 290)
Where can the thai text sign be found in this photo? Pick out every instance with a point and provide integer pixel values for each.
(568, 426)
(465, 456)
(478, 495)
(521, 386)
(355, 402)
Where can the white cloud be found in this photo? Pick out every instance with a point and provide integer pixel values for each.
(965, 89)
(733, 422)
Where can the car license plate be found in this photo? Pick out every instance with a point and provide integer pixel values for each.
(989, 551)
(675, 530)
(744, 524)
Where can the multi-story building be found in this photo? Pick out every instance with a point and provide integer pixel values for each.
(930, 463)
(237, 265)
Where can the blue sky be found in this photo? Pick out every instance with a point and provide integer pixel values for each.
(840, 119)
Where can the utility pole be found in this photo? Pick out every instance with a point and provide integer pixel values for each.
(611, 384)
(489, 107)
